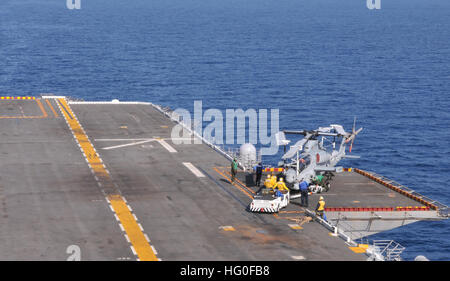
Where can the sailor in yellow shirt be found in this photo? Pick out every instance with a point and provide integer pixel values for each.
(273, 181)
(282, 186)
(268, 182)
(320, 207)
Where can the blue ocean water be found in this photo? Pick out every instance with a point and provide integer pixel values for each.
(319, 62)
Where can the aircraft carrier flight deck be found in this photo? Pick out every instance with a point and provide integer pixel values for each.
(107, 178)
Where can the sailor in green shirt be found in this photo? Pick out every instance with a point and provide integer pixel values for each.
(234, 168)
(318, 179)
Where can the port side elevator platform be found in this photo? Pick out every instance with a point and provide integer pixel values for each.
(363, 203)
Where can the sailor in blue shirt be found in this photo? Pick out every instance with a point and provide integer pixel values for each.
(258, 168)
(304, 193)
(278, 193)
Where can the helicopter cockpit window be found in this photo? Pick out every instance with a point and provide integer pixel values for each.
(304, 162)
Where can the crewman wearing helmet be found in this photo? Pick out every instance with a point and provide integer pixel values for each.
(320, 207)
(282, 186)
(268, 182)
(273, 181)
(234, 168)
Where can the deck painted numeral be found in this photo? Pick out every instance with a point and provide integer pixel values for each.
(75, 253)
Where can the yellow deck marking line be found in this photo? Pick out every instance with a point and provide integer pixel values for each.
(295, 226)
(242, 184)
(227, 228)
(17, 98)
(245, 192)
(51, 107)
(291, 212)
(44, 113)
(357, 250)
(281, 218)
(139, 241)
(135, 235)
(292, 218)
(364, 246)
(361, 248)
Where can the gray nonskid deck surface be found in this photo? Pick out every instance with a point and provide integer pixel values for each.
(182, 213)
(49, 199)
(355, 190)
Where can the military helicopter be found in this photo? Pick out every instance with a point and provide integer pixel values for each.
(312, 156)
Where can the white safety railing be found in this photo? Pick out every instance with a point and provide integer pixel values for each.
(177, 119)
(387, 250)
(336, 231)
(382, 250)
(229, 152)
(444, 210)
(350, 231)
(390, 249)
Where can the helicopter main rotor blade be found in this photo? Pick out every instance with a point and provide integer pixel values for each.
(295, 132)
(296, 147)
(339, 129)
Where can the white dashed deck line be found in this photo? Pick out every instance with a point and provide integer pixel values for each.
(193, 169)
(127, 144)
(96, 155)
(298, 257)
(166, 146)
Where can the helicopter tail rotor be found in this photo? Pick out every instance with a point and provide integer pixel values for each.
(353, 135)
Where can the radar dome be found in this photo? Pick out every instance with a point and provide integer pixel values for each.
(247, 153)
